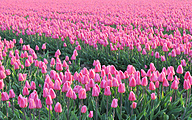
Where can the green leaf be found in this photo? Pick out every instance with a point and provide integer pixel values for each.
(133, 117)
(73, 116)
(160, 112)
(139, 116)
(2, 116)
(17, 113)
(165, 117)
(175, 111)
(62, 116)
(189, 118)
(172, 117)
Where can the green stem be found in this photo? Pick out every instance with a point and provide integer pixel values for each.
(107, 107)
(113, 113)
(186, 98)
(67, 108)
(24, 117)
(96, 108)
(175, 94)
(189, 95)
(166, 58)
(49, 112)
(12, 105)
(58, 117)
(121, 104)
(80, 110)
(131, 110)
(30, 114)
(6, 109)
(33, 115)
(39, 115)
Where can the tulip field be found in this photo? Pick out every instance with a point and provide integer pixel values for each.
(95, 59)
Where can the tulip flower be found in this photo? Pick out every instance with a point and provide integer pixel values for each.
(180, 69)
(36, 48)
(84, 109)
(44, 46)
(25, 91)
(121, 90)
(90, 114)
(33, 86)
(153, 96)
(2, 74)
(58, 108)
(152, 86)
(132, 82)
(32, 105)
(134, 105)
(49, 102)
(1, 84)
(38, 105)
(186, 86)
(132, 96)
(82, 93)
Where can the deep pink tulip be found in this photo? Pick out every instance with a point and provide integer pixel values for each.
(25, 91)
(49, 100)
(90, 114)
(152, 86)
(11, 94)
(114, 103)
(107, 91)
(153, 96)
(58, 108)
(134, 105)
(1, 84)
(132, 82)
(32, 104)
(174, 85)
(132, 96)
(95, 92)
(82, 93)
(4, 96)
(180, 69)
(84, 109)
(38, 103)
(2, 74)
(186, 85)
(121, 88)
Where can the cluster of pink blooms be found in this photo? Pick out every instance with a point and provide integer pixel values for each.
(101, 77)
(136, 27)
(92, 24)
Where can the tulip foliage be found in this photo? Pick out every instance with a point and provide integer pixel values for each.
(98, 61)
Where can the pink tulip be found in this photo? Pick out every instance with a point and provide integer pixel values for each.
(107, 91)
(95, 92)
(82, 93)
(121, 88)
(4, 96)
(49, 100)
(153, 96)
(132, 96)
(11, 94)
(180, 69)
(114, 103)
(58, 108)
(134, 105)
(1, 84)
(2, 74)
(32, 104)
(90, 114)
(132, 82)
(84, 109)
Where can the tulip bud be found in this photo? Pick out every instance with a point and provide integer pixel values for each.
(114, 103)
